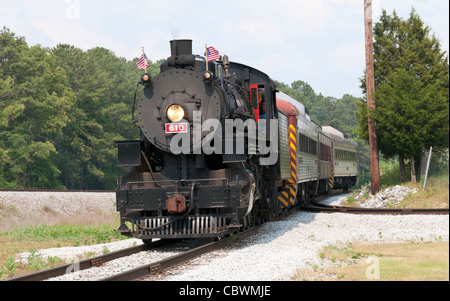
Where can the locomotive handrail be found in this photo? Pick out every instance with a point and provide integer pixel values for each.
(177, 181)
(150, 168)
(134, 102)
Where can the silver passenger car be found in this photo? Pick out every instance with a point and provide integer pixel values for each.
(345, 160)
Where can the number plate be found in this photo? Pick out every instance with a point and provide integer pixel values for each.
(176, 128)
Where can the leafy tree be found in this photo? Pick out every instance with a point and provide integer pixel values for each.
(411, 89)
(36, 100)
(104, 87)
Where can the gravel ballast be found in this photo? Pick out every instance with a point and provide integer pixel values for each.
(21, 209)
(275, 253)
(64, 203)
(281, 248)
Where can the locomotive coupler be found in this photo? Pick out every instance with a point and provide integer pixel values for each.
(176, 203)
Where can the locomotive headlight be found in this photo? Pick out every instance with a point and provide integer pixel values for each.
(175, 113)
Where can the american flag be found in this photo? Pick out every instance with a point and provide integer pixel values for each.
(213, 54)
(142, 63)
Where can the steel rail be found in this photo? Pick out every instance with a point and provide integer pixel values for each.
(86, 263)
(159, 266)
(317, 207)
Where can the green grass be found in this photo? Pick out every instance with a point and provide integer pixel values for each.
(415, 261)
(32, 238)
(73, 234)
(435, 195)
(390, 173)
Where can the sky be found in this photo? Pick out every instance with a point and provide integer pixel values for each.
(320, 42)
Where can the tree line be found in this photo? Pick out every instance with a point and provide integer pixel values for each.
(63, 108)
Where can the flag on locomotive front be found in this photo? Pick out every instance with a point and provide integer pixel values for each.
(212, 54)
(143, 63)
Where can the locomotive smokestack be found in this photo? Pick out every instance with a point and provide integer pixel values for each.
(180, 47)
(181, 54)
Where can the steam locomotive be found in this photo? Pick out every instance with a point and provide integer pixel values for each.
(221, 150)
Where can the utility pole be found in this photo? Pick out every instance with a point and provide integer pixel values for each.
(370, 85)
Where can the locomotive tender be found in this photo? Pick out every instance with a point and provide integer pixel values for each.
(221, 150)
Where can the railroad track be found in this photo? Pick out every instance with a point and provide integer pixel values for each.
(142, 271)
(160, 266)
(83, 264)
(321, 208)
(156, 268)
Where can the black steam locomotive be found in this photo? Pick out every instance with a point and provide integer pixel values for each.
(220, 150)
